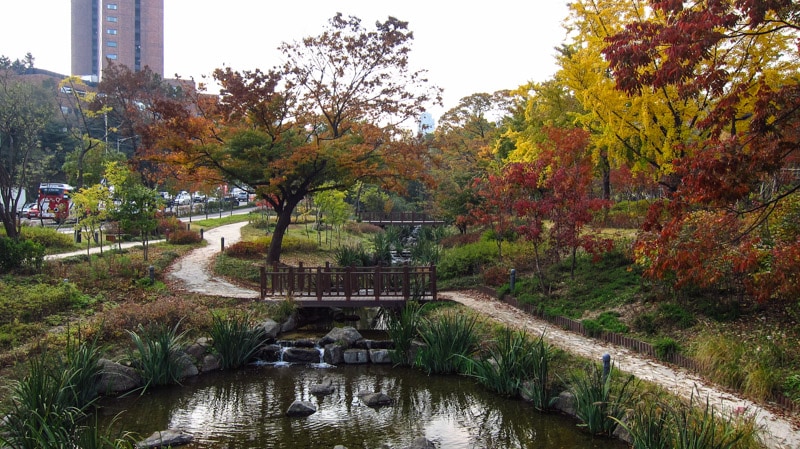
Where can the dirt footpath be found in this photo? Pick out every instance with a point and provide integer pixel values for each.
(192, 272)
(779, 432)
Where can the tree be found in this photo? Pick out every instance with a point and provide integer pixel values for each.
(91, 210)
(24, 112)
(136, 205)
(738, 184)
(329, 117)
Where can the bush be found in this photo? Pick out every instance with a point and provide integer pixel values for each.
(300, 245)
(665, 347)
(184, 237)
(675, 314)
(352, 256)
(646, 323)
(245, 250)
(402, 326)
(495, 276)
(31, 303)
(47, 237)
(20, 255)
(605, 322)
(466, 260)
(170, 225)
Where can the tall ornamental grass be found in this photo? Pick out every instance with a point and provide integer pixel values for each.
(403, 327)
(156, 354)
(600, 400)
(49, 405)
(514, 360)
(449, 339)
(236, 339)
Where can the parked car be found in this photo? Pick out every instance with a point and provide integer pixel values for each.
(26, 210)
(183, 199)
(199, 197)
(169, 201)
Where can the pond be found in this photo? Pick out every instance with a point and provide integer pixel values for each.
(246, 409)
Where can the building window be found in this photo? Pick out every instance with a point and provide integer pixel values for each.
(112, 19)
(111, 31)
(111, 6)
(111, 56)
(111, 43)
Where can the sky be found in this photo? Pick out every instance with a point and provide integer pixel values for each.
(466, 47)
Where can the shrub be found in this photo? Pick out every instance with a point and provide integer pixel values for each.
(184, 237)
(295, 244)
(665, 347)
(20, 255)
(235, 339)
(675, 314)
(460, 240)
(170, 225)
(466, 260)
(30, 303)
(791, 387)
(605, 322)
(352, 256)
(495, 276)
(130, 315)
(646, 322)
(47, 237)
(245, 250)
(449, 339)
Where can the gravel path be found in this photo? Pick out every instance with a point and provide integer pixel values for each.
(779, 432)
(192, 273)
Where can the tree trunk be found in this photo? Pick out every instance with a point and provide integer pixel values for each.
(281, 226)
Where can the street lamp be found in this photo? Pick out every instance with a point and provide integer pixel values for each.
(123, 140)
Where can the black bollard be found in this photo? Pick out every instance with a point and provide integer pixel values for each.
(513, 280)
(222, 244)
(152, 271)
(606, 366)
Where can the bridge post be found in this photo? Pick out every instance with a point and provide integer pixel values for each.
(433, 281)
(406, 282)
(348, 287)
(263, 281)
(320, 285)
(376, 283)
(290, 286)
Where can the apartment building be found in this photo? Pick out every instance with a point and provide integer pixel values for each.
(128, 32)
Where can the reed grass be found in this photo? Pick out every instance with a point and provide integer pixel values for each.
(449, 339)
(236, 339)
(403, 327)
(514, 358)
(601, 401)
(156, 354)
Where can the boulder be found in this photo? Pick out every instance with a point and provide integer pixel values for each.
(565, 403)
(188, 368)
(289, 325)
(269, 353)
(355, 356)
(271, 328)
(115, 378)
(301, 409)
(334, 354)
(211, 362)
(375, 399)
(199, 348)
(323, 388)
(165, 438)
(346, 336)
(380, 356)
(301, 355)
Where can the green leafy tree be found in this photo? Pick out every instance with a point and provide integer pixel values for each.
(90, 206)
(25, 109)
(137, 206)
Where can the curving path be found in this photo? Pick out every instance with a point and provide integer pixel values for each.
(192, 273)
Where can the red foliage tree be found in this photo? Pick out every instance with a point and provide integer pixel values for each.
(727, 221)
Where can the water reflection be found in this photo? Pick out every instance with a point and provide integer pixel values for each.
(246, 409)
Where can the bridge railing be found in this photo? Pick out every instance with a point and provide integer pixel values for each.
(398, 217)
(374, 283)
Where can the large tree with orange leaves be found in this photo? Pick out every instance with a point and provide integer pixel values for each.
(330, 116)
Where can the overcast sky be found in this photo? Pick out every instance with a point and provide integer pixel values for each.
(466, 47)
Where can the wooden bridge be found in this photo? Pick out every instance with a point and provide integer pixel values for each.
(399, 219)
(350, 286)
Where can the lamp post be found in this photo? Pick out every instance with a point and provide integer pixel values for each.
(123, 140)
